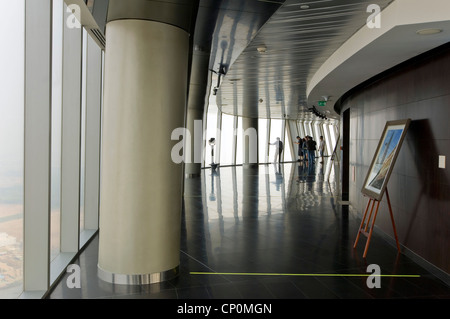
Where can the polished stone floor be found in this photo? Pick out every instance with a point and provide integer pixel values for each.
(275, 232)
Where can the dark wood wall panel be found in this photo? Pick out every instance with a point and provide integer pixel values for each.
(419, 190)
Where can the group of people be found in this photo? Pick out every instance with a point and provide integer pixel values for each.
(307, 149)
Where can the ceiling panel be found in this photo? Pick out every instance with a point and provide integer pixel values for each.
(264, 53)
(226, 27)
(296, 42)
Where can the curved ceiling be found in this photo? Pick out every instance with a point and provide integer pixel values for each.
(297, 40)
(279, 58)
(321, 52)
(370, 52)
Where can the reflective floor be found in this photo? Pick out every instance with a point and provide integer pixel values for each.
(276, 232)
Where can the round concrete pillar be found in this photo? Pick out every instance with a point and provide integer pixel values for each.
(250, 142)
(141, 187)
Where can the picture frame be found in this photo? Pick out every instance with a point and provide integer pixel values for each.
(384, 159)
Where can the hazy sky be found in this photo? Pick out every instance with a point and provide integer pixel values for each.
(11, 81)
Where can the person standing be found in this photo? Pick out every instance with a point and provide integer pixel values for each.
(311, 146)
(305, 148)
(321, 148)
(279, 149)
(300, 148)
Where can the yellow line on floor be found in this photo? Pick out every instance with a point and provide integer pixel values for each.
(304, 275)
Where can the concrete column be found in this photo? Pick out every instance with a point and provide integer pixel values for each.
(250, 105)
(250, 171)
(141, 187)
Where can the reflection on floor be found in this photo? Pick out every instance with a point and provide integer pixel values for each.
(250, 226)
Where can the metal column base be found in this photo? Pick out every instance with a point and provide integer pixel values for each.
(144, 279)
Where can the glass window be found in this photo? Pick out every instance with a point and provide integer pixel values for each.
(326, 135)
(275, 131)
(301, 129)
(239, 146)
(293, 129)
(331, 138)
(308, 129)
(317, 131)
(287, 145)
(12, 33)
(317, 134)
(226, 141)
(262, 140)
(57, 60)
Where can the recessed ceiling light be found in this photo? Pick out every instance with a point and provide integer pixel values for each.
(304, 6)
(429, 31)
(262, 49)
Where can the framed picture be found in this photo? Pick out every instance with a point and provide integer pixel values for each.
(384, 160)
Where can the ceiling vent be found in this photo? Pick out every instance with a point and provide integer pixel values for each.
(98, 36)
(92, 17)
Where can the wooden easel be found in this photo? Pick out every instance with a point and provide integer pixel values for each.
(365, 225)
